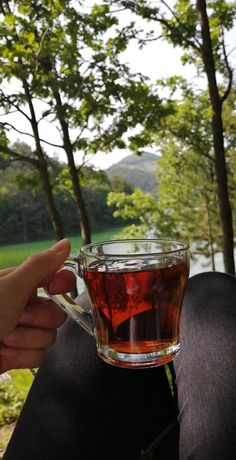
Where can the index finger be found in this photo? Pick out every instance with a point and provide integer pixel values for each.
(61, 282)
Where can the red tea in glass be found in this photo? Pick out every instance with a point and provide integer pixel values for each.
(137, 306)
(136, 288)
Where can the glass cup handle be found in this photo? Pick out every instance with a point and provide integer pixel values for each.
(78, 313)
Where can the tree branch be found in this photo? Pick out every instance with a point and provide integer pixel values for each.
(9, 100)
(40, 49)
(174, 31)
(229, 70)
(18, 156)
(192, 144)
(30, 135)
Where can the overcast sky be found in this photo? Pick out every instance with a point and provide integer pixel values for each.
(157, 60)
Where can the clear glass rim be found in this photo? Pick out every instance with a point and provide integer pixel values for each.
(90, 249)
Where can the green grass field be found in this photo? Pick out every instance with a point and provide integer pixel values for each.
(12, 255)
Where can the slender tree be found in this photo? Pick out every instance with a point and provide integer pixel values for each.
(186, 205)
(12, 60)
(217, 100)
(199, 29)
(90, 96)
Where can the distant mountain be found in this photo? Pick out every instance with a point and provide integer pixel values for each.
(137, 171)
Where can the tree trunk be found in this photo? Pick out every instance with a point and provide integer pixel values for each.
(51, 207)
(43, 171)
(210, 235)
(218, 136)
(79, 201)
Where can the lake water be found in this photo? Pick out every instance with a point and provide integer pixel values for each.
(201, 264)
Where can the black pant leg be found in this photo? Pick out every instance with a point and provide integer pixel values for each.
(82, 408)
(205, 369)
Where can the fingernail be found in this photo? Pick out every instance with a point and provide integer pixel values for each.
(60, 246)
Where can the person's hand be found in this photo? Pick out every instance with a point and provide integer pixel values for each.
(28, 322)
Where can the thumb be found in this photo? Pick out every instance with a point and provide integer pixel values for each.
(36, 268)
(17, 286)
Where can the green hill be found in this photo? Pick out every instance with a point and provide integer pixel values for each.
(137, 171)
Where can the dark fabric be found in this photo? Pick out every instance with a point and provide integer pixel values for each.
(205, 369)
(82, 408)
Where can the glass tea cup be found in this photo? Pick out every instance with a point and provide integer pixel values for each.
(136, 288)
